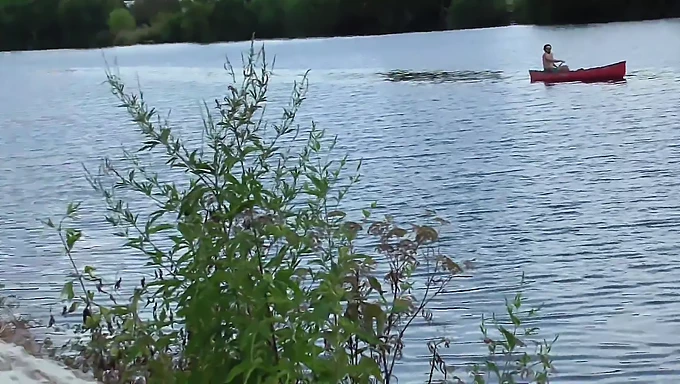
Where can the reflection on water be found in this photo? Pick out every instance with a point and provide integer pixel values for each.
(600, 82)
(398, 75)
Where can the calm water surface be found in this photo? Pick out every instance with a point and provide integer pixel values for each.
(576, 185)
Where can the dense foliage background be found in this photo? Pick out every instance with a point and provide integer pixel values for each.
(48, 24)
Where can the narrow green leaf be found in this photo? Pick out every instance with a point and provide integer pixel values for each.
(73, 307)
(401, 305)
(72, 208)
(160, 228)
(375, 285)
(72, 236)
(67, 291)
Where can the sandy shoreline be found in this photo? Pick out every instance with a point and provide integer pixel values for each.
(21, 360)
(19, 367)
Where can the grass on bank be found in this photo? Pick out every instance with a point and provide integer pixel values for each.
(260, 276)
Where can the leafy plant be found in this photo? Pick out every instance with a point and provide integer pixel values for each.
(509, 344)
(510, 348)
(260, 276)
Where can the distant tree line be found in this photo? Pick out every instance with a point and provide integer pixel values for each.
(556, 12)
(47, 24)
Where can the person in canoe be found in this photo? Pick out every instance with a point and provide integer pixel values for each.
(549, 62)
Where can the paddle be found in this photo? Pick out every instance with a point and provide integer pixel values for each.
(571, 70)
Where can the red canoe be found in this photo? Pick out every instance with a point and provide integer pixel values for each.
(610, 72)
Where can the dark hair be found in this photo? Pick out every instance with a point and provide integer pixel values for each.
(546, 46)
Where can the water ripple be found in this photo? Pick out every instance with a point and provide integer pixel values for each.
(398, 75)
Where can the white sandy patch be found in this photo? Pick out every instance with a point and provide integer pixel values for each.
(18, 367)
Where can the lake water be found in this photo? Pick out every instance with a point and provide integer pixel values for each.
(576, 185)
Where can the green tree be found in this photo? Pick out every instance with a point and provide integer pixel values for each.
(168, 27)
(196, 21)
(26, 25)
(270, 19)
(121, 19)
(82, 21)
(44, 27)
(232, 20)
(464, 14)
(145, 10)
(312, 17)
(551, 12)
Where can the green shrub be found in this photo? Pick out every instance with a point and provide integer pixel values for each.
(168, 27)
(259, 275)
(143, 34)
